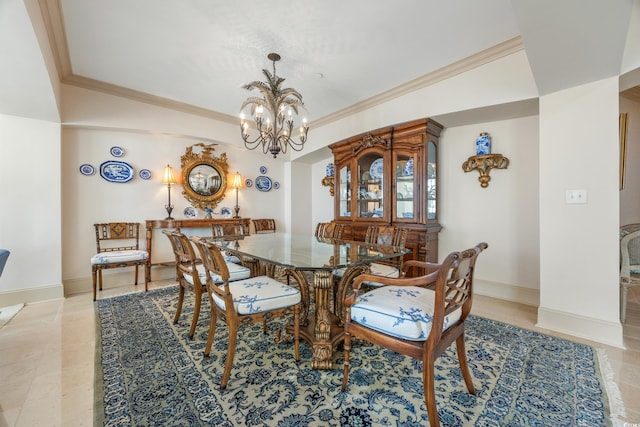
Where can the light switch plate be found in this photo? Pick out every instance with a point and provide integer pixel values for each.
(576, 196)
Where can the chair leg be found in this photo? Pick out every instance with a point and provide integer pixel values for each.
(147, 276)
(100, 279)
(231, 351)
(296, 331)
(429, 390)
(347, 350)
(212, 332)
(179, 308)
(624, 289)
(464, 367)
(93, 278)
(196, 314)
(136, 278)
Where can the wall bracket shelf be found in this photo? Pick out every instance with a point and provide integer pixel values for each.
(483, 164)
(327, 181)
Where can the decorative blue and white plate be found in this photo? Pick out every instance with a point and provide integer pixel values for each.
(248, 183)
(190, 212)
(263, 169)
(263, 183)
(115, 171)
(377, 169)
(408, 167)
(276, 185)
(225, 212)
(87, 169)
(117, 151)
(145, 173)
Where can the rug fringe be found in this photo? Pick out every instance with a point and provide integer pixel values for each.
(616, 404)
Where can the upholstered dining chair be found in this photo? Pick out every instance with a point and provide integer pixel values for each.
(118, 245)
(405, 316)
(264, 225)
(329, 230)
(629, 267)
(191, 274)
(244, 302)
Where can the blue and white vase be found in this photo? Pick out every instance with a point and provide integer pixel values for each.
(483, 144)
(330, 171)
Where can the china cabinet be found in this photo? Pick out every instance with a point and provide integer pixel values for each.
(389, 177)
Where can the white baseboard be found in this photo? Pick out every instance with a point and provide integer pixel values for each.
(605, 332)
(507, 292)
(31, 295)
(116, 278)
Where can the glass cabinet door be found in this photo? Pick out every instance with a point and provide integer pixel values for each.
(405, 200)
(432, 181)
(370, 197)
(344, 175)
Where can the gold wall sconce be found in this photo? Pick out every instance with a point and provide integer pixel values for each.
(328, 180)
(483, 164)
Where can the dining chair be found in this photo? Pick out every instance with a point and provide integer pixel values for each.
(118, 245)
(244, 302)
(264, 225)
(629, 267)
(387, 235)
(191, 274)
(329, 230)
(405, 316)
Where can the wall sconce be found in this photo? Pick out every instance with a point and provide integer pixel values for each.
(168, 178)
(484, 161)
(328, 181)
(237, 183)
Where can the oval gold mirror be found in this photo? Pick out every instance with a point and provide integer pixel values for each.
(204, 176)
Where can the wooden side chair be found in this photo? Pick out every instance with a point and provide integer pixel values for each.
(118, 245)
(329, 230)
(244, 302)
(191, 275)
(264, 225)
(387, 235)
(405, 316)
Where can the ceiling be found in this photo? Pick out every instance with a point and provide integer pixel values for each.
(198, 54)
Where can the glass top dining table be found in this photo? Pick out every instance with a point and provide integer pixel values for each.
(292, 255)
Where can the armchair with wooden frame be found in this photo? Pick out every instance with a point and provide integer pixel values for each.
(416, 316)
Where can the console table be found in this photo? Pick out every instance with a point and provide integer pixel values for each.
(228, 225)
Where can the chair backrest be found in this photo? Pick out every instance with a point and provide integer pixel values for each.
(329, 230)
(215, 265)
(629, 255)
(387, 235)
(186, 259)
(264, 225)
(114, 236)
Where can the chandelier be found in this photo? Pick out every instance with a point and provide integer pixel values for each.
(278, 105)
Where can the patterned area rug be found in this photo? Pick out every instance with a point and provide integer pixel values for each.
(148, 372)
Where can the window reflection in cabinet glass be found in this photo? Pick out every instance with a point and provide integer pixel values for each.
(431, 180)
(404, 186)
(370, 186)
(345, 191)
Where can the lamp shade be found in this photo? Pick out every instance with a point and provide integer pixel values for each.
(167, 176)
(237, 181)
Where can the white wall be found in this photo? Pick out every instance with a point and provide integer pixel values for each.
(30, 217)
(630, 194)
(579, 250)
(505, 214)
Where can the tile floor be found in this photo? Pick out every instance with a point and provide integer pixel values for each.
(47, 358)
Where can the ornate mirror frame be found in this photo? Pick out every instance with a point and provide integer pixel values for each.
(207, 170)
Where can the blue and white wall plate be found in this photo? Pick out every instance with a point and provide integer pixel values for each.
(248, 183)
(115, 171)
(190, 212)
(225, 212)
(276, 185)
(263, 170)
(145, 173)
(263, 183)
(87, 169)
(117, 151)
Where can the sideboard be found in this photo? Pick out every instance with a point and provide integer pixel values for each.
(228, 224)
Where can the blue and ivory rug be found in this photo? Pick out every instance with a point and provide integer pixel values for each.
(148, 372)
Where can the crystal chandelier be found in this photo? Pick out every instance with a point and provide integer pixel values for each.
(278, 105)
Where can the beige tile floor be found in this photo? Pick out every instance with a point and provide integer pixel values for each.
(47, 358)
